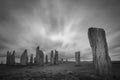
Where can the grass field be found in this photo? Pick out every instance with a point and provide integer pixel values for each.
(65, 71)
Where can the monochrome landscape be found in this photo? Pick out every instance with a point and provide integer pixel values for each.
(59, 40)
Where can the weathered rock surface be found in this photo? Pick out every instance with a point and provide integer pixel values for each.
(13, 58)
(77, 57)
(101, 59)
(39, 56)
(52, 57)
(56, 57)
(46, 59)
(31, 59)
(10, 58)
(24, 58)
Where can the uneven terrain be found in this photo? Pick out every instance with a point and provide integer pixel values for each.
(65, 71)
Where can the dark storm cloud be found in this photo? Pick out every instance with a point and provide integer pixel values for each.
(58, 24)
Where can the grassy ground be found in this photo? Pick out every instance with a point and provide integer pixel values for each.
(65, 71)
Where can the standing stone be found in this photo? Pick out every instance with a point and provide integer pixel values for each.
(77, 57)
(46, 59)
(35, 60)
(8, 58)
(24, 58)
(101, 59)
(56, 57)
(52, 57)
(39, 56)
(12, 57)
(31, 59)
(62, 61)
(66, 60)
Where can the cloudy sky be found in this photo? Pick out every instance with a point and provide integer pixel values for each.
(58, 24)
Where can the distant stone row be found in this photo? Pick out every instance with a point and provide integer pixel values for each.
(38, 59)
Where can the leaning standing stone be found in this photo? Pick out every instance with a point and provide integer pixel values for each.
(101, 59)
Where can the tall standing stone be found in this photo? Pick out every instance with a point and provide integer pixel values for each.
(56, 57)
(77, 57)
(31, 59)
(10, 57)
(101, 59)
(39, 56)
(24, 58)
(46, 59)
(52, 57)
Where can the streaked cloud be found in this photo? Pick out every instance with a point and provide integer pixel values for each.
(58, 24)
